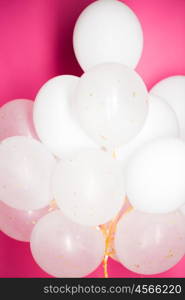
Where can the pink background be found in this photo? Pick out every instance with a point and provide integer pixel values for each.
(36, 44)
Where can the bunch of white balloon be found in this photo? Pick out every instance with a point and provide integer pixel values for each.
(109, 159)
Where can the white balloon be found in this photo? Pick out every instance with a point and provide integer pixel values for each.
(66, 249)
(172, 89)
(25, 173)
(53, 119)
(107, 31)
(150, 243)
(89, 187)
(155, 176)
(161, 121)
(111, 104)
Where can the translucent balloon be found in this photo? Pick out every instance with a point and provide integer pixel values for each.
(89, 187)
(161, 121)
(111, 104)
(16, 118)
(172, 89)
(25, 173)
(107, 31)
(53, 119)
(150, 243)
(66, 249)
(18, 224)
(155, 176)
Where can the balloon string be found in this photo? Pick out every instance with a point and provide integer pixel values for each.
(105, 264)
(109, 235)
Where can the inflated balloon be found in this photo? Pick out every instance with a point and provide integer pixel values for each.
(172, 89)
(155, 176)
(160, 122)
(16, 118)
(25, 173)
(107, 31)
(18, 224)
(89, 187)
(53, 119)
(150, 243)
(111, 104)
(66, 249)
